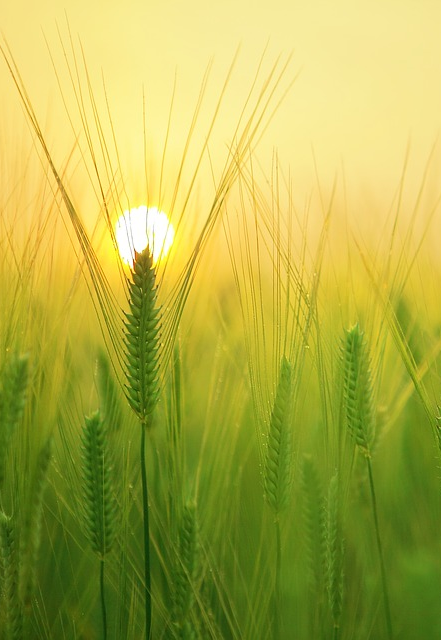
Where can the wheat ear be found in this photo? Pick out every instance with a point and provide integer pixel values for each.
(313, 518)
(98, 496)
(358, 389)
(13, 390)
(142, 338)
(98, 493)
(142, 371)
(278, 459)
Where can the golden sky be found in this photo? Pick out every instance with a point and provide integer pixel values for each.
(369, 78)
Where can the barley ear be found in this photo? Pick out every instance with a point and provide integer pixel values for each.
(98, 494)
(187, 571)
(142, 338)
(12, 615)
(13, 389)
(278, 458)
(358, 394)
(314, 525)
(334, 550)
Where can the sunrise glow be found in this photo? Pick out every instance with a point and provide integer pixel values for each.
(140, 227)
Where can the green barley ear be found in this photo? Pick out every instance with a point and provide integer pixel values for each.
(334, 551)
(98, 493)
(142, 338)
(278, 459)
(187, 571)
(13, 389)
(12, 615)
(358, 394)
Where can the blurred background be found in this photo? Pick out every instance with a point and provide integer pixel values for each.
(367, 89)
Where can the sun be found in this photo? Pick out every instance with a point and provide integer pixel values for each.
(143, 226)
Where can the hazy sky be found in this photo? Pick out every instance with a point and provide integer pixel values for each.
(369, 72)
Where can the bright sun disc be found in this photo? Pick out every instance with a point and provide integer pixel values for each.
(140, 227)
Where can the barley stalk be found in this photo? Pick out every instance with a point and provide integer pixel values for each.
(99, 497)
(142, 373)
(360, 421)
(278, 472)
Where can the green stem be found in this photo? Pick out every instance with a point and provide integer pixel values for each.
(145, 507)
(380, 551)
(277, 604)
(103, 600)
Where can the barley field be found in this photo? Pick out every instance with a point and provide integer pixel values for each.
(237, 439)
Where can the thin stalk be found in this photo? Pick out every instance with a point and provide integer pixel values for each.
(380, 551)
(277, 589)
(103, 600)
(147, 569)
